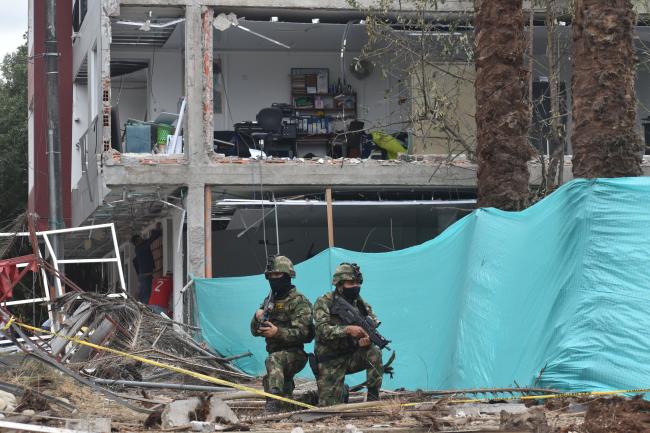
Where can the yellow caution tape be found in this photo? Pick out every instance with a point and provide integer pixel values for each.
(9, 323)
(218, 381)
(200, 376)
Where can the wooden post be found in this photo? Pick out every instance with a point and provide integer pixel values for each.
(330, 218)
(208, 231)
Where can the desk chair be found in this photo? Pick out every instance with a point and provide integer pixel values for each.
(269, 120)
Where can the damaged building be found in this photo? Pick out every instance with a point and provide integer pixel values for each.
(219, 133)
(246, 129)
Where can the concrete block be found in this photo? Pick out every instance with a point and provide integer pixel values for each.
(201, 426)
(7, 401)
(177, 413)
(220, 412)
(94, 425)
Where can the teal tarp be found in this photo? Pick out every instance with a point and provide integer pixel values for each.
(495, 298)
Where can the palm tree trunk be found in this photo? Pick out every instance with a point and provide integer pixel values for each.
(502, 111)
(605, 142)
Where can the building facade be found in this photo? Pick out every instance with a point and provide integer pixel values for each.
(209, 67)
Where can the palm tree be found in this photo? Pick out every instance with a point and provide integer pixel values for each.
(502, 109)
(604, 140)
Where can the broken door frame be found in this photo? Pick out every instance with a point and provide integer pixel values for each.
(55, 263)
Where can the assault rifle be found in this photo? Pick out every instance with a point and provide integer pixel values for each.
(267, 308)
(350, 315)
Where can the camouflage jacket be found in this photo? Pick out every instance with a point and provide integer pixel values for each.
(292, 315)
(331, 339)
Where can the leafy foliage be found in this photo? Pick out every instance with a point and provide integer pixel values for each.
(13, 133)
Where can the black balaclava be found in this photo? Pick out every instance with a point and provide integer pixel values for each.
(351, 293)
(280, 286)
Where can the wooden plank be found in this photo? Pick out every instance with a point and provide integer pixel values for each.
(330, 218)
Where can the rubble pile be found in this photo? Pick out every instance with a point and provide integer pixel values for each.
(50, 398)
(126, 325)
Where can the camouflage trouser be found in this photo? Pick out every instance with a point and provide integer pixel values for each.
(281, 367)
(331, 374)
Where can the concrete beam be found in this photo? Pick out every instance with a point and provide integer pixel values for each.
(369, 174)
(145, 175)
(447, 6)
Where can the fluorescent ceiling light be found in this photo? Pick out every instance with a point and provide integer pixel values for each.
(434, 34)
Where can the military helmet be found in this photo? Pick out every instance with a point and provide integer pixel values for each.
(347, 272)
(280, 264)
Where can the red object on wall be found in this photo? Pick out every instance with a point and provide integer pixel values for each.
(38, 198)
(161, 291)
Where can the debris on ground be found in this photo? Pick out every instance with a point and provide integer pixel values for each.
(126, 325)
(45, 395)
(618, 415)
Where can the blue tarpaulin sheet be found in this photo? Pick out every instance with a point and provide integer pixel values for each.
(562, 286)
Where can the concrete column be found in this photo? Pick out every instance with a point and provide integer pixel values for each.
(193, 132)
(207, 18)
(195, 205)
(104, 53)
(177, 268)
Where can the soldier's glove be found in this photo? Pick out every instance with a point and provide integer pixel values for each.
(388, 367)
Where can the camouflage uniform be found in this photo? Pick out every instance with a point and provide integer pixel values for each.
(338, 354)
(293, 317)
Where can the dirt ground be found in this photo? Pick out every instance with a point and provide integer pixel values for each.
(618, 415)
(566, 415)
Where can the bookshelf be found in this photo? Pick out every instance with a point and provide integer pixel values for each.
(313, 95)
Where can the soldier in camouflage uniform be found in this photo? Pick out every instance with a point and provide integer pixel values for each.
(288, 328)
(342, 349)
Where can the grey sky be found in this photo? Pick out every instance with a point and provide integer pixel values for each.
(13, 24)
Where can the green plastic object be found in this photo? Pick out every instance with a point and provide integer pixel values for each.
(162, 132)
(390, 144)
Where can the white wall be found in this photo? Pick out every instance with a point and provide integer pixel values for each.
(165, 84)
(80, 122)
(131, 97)
(256, 79)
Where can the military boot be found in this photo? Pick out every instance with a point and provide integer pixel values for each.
(373, 394)
(273, 405)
